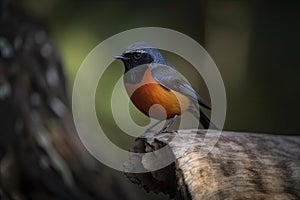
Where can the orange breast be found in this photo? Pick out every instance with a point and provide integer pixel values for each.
(148, 95)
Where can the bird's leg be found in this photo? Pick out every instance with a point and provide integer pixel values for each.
(151, 127)
(165, 129)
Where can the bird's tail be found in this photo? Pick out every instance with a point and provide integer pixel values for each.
(206, 122)
(203, 118)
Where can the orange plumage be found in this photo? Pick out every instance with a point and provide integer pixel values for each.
(149, 92)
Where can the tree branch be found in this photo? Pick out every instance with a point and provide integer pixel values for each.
(240, 166)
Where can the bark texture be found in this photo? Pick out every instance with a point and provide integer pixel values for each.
(240, 166)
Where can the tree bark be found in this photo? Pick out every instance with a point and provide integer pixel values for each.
(240, 166)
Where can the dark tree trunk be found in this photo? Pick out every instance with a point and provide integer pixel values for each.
(41, 156)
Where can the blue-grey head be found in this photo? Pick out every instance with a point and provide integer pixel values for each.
(139, 54)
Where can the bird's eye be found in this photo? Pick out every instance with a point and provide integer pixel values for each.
(137, 55)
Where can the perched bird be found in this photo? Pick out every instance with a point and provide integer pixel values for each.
(150, 80)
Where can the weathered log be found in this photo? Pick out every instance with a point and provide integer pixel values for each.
(240, 166)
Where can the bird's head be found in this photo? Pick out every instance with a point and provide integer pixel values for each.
(139, 54)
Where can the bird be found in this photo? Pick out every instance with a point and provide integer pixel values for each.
(150, 79)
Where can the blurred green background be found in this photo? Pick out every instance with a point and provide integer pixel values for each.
(255, 45)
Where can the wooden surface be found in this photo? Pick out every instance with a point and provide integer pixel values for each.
(240, 166)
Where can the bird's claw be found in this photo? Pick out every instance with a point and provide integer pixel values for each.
(167, 131)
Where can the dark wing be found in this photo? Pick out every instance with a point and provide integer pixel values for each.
(171, 79)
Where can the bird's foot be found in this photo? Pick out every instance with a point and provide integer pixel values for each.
(167, 131)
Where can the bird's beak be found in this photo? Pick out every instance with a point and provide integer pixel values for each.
(121, 57)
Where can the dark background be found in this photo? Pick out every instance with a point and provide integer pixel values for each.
(255, 45)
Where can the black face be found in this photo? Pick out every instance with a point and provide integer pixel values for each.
(140, 54)
(136, 58)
